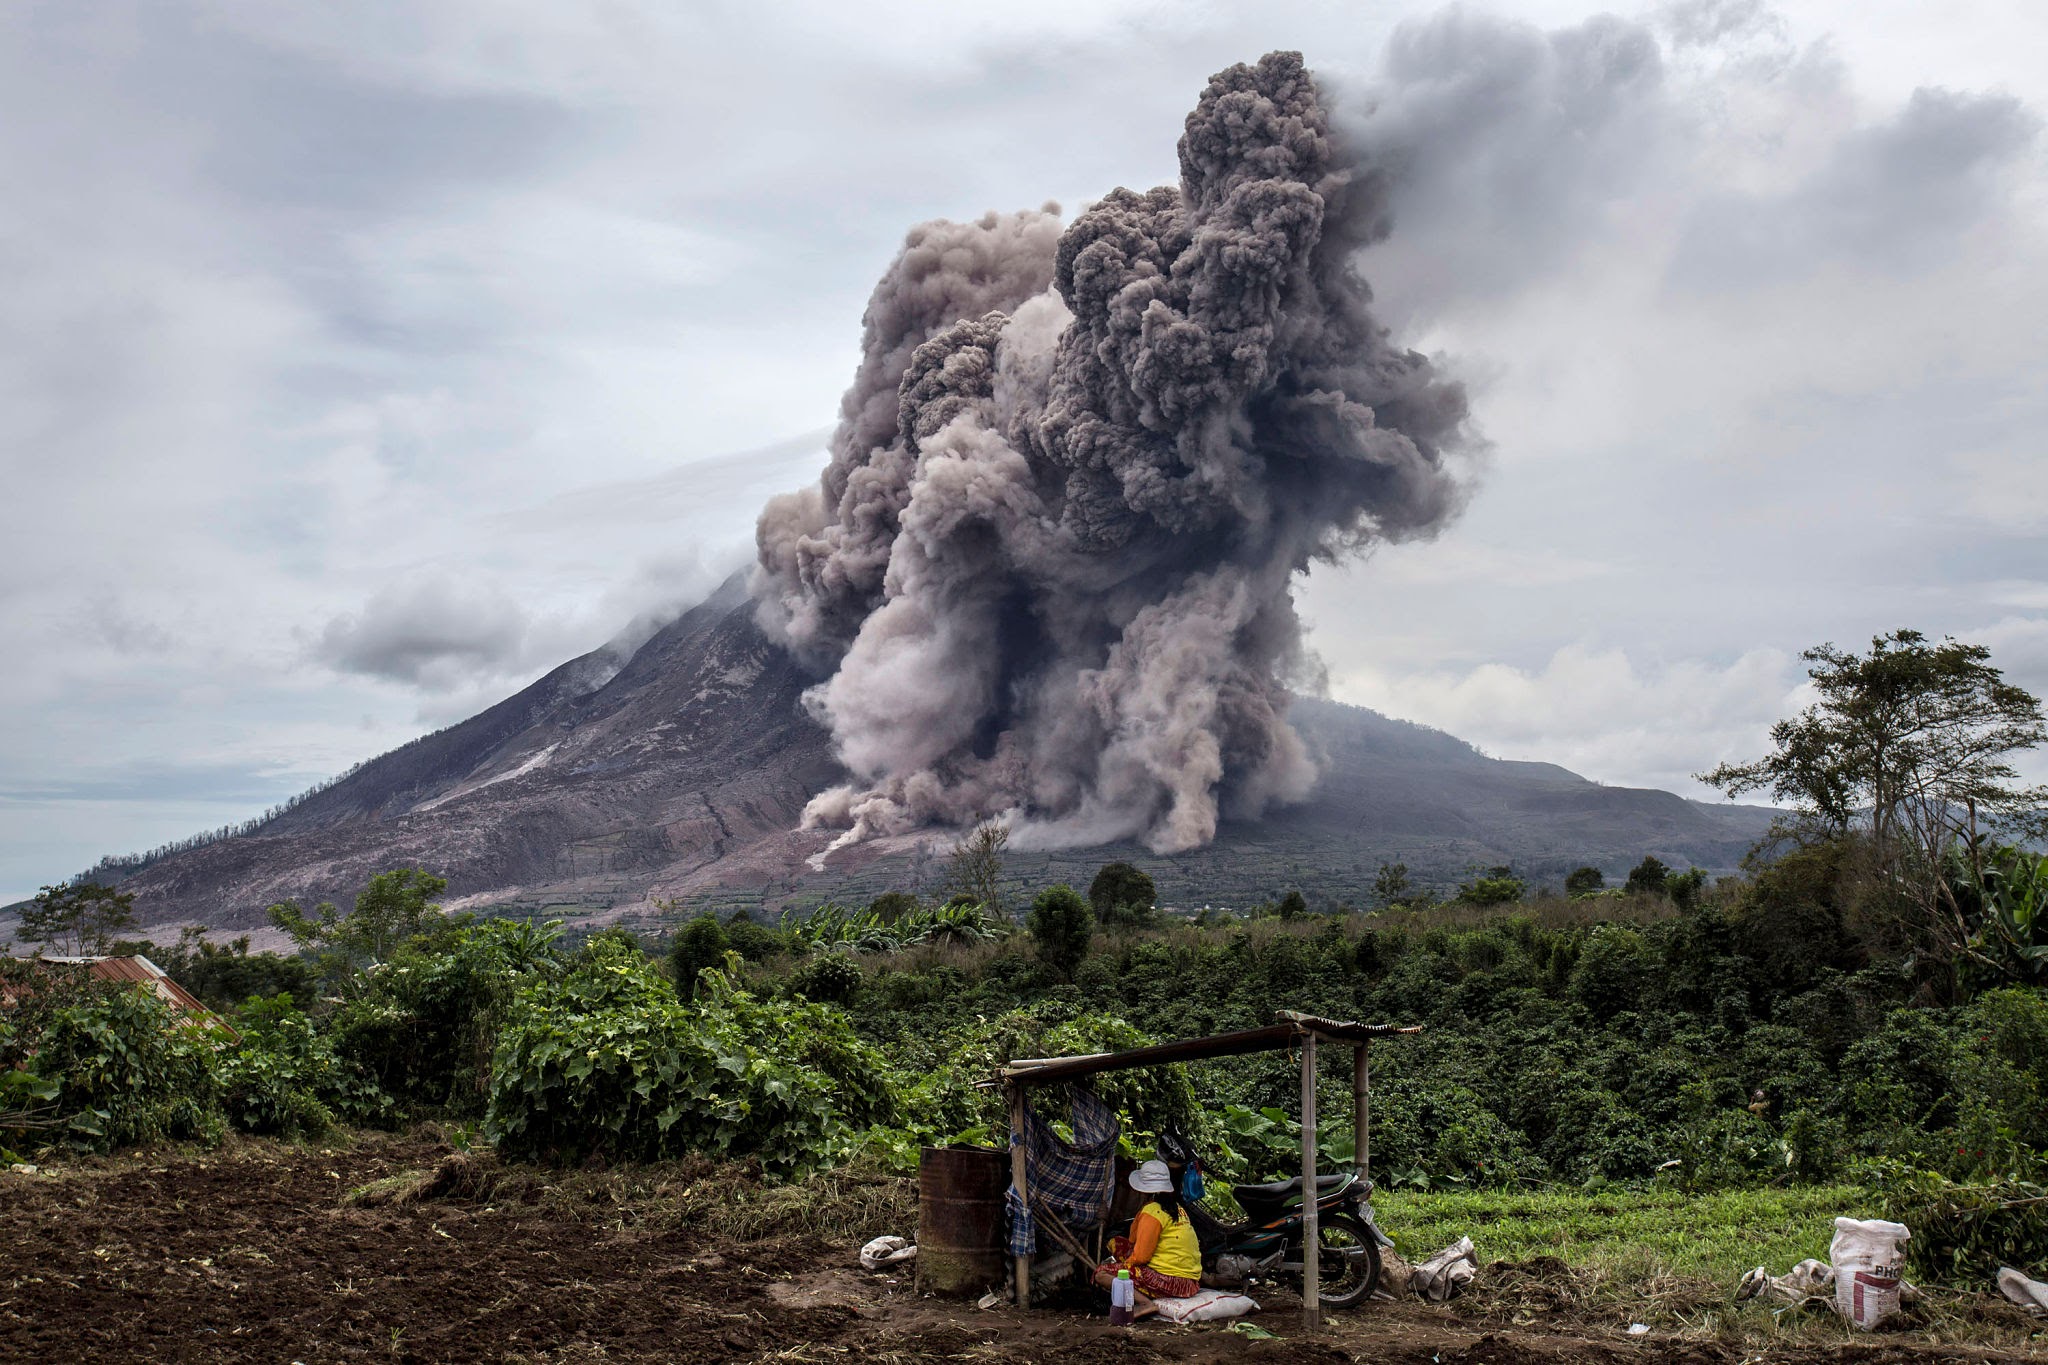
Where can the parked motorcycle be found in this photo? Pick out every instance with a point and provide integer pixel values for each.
(1267, 1244)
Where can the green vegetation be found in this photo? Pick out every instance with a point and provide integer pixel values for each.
(699, 944)
(1061, 924)
(607, 1061)
(83, 918)
(1704, 1074)
(1713, 1236)
(1123, 896)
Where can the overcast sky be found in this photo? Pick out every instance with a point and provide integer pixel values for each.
(360, 362)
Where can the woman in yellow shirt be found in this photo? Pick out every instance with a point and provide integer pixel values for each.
(1163, 1253)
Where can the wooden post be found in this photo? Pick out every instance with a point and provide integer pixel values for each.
(1361, 1111)
(1311, 1232)
(1020, 1182)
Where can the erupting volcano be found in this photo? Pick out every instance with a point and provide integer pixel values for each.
(1047, 571)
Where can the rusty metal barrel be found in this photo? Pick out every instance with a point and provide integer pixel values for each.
(960, 1219)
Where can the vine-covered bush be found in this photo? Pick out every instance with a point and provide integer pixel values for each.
(426, 1022)
(284, 1078)
(829, 978)
(131, 1069)
(606, 1062)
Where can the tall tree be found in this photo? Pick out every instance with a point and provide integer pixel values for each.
(1391, 886)
(1650, 877)
(977, 868)
(1909, 745)
(391, 910)
(77, 919)
(1123, 894)
(1913, 738)
(1061, 925)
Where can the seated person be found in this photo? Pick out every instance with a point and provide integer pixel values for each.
(1162, 1253)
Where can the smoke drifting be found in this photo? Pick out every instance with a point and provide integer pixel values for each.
(1047, 571)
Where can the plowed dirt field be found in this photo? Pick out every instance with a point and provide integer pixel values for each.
(257, 1252)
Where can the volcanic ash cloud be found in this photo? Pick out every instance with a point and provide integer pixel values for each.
(1046, 573)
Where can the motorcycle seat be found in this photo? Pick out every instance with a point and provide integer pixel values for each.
(1286, 1189)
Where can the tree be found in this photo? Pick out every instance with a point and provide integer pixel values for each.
(1909, 748)
(977, 867)
(752, 940)
(1684, 887)
(1583, 881)
(891, 906)
(1392, 886)
(1648, 878)
(72, 921)
(1061, 925)
(699, 944)
(391, 910)
(1500, 886)
(1910, 741)
(1123, 894)
(1293, 905)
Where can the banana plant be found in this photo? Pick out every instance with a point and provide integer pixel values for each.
(2011, 938)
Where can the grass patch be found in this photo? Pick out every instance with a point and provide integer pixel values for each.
(1707, 1236)
(1667, 1259)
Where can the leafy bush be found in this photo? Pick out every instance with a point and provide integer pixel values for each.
(426, 1022)
(1611, 972)
(607, 1062)
(1123, 896)
(392, 910)
(828, 978)
(131, 1069)
(283, 1076)
(1963, 1232)
(699, 944)
(1647, 878)
(1061, 925)
(752, 940)
(1500, 886)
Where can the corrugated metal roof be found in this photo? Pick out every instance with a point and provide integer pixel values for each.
(140, 970)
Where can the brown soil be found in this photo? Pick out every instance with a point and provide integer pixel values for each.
(257, 1253)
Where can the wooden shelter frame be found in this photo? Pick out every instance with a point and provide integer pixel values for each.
(1292, 1030)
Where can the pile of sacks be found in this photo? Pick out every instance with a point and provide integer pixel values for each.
(1435, 1280)
(1861, 1279)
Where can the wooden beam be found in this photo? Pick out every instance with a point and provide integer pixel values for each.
(1020, 1182)
(1361, 1111)
(1311, 1231)
(1270, 1038)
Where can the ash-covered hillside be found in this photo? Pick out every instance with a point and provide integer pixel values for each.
(684, 773)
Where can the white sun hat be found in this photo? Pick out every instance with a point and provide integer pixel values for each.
(1152, 1178)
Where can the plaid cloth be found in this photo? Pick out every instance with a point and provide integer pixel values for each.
(1074, 1180)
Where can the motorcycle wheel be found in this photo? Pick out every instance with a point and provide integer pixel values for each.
(1349, 1261)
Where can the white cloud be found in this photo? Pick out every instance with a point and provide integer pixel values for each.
(1597, 712)
(2006, 489)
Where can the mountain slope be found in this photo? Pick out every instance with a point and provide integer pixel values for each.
(683, 774)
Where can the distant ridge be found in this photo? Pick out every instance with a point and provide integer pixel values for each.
(681, 773)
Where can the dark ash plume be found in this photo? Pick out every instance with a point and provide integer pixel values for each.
(1048, 567)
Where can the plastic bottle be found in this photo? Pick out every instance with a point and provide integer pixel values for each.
(1123, 1298)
